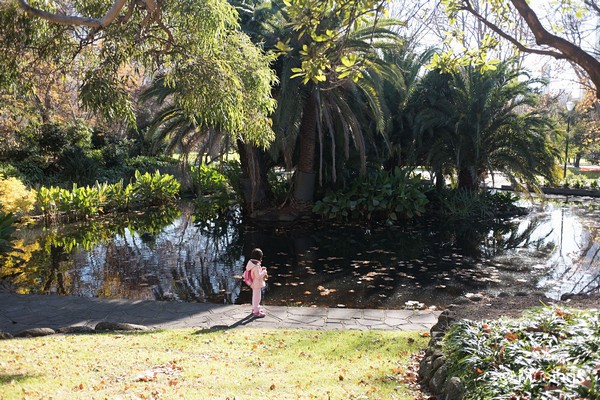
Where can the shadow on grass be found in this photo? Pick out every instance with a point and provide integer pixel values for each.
(8, 378)
(247, 319)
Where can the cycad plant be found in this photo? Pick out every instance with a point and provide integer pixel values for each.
(475, 123)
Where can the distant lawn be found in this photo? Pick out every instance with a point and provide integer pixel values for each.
(188, 364)
(584, 174)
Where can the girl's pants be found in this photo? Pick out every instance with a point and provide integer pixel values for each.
(256, 297)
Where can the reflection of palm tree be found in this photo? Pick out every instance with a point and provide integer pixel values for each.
(57, 255)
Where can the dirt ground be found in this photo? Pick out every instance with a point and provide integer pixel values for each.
(513, 306)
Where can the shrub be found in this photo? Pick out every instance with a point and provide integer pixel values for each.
(459, 204)
(7, 228)
(79, 165)
(387, 197)
(15, 197)
(550, 354)
(214, 193)
(155, 189)
(88, 201)
(208, 180)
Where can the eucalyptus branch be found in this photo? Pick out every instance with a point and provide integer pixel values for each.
(72, 20)
(469, 8)
(593, 5)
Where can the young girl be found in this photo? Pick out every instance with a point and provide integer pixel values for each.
(259, 274)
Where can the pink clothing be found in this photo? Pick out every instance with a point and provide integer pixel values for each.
(258, 274)
(258, 282)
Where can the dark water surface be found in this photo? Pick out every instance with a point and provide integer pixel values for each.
(555, 249)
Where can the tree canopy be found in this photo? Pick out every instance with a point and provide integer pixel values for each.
(222, 79)
(548, 34)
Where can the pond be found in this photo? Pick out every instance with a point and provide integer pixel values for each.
(555, 249)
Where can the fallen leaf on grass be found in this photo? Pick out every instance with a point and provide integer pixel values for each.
(147, 376)
(171, 368)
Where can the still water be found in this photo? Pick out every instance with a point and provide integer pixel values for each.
(555, 249)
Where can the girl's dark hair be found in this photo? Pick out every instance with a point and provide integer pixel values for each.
(257, 254)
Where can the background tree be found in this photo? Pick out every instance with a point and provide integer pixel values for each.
(478, 123)
(219, 74)
(548, 34)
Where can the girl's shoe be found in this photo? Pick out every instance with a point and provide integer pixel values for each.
(258, 314)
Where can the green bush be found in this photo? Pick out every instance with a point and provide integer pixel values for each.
(89, 201)
(208, 180)
(387, 197)
(79, 165)
(550, 354)
(459, 204)
(7, 228)
(215, 195)
(155, 189)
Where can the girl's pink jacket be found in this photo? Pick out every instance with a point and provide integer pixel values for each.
(258, 274)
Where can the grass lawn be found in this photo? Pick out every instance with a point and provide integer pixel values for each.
(224, 364)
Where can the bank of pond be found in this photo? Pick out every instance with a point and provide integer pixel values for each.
(173, 254)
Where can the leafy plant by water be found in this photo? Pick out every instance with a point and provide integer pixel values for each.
(215, 196)
(89, 201)
(386, 197)
(472, 205)
(550, 354)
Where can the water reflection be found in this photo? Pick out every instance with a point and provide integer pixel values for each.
(171, 256)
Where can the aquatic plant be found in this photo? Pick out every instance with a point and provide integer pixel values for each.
(89, 201)
(386, 197)
(155, 189)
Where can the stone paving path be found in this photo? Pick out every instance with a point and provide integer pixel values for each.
(22, 312)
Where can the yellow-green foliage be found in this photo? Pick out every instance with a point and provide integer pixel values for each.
(15, 197)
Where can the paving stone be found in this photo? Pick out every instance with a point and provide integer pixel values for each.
(374, 314)
(36, 311)
(343, 313)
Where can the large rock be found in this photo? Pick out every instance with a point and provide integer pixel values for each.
(76, 329)
(5, 335)
(119, 326)
(454, 389)
(438, 381)
(36, 332)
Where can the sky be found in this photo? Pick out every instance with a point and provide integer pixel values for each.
(561, 74)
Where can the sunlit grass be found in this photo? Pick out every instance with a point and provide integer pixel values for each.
(240, 364)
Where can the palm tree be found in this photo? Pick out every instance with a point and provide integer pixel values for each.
(484, 123)
(172, 129)
(336, 109)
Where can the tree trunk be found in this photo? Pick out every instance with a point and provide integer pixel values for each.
(255, 186)
(305, 173)
(467, 180)
(440, 180)
(577, 159)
